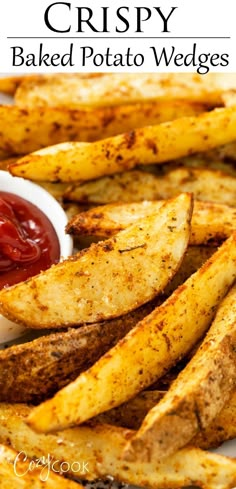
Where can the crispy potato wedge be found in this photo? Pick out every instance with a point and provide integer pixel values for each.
(151, 144)
(131, 414)
(108, 279)
(34, 128)
(16, 470)
(101, 447)
(209, 185)
(211, 223)
(197, 395)
(152, 347)
(33, 371)
(111, 89)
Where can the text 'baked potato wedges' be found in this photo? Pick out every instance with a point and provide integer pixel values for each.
(101, 446)
(197, 395)
(108, 279)
(68, 162)
(152, 347)
(209, 185)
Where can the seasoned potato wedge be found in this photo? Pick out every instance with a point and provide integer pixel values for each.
(101, 446)
(74, 90)
(131, 414)
(151, 144)
(197, 395)
(211, 223)
(16, 470)
(32, 129)
(108, 279)
(152, 347)
(209, 185)
(37, 369)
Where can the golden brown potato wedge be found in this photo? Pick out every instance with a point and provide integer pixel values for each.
(18, 471)
(131, 414)
(152, 347)
(34, 128)
(68, 162)
(101, 447)
(211, 223)
(74, 90)
(197, 395)
(33, 371)
(108, 279)
(209, 185)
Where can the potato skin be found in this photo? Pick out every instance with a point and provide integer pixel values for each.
(34, 371)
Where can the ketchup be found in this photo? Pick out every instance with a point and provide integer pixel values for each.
(28, 241)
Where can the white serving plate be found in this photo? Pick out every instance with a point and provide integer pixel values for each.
(228, 449)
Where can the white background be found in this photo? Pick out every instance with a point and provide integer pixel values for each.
(195, 18)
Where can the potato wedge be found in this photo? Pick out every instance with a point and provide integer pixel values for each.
(32, 129)
(211, 223)
(152, 347)
(74, 90)
(151, 144)
(33, 371)
(101, 447)
(209, 185)
(108, 279)
(16, 470)
(131, 414)
(197, 395)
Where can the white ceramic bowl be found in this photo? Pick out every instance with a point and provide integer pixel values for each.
(52, 209)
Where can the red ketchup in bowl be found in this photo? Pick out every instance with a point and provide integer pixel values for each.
(28, 241)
